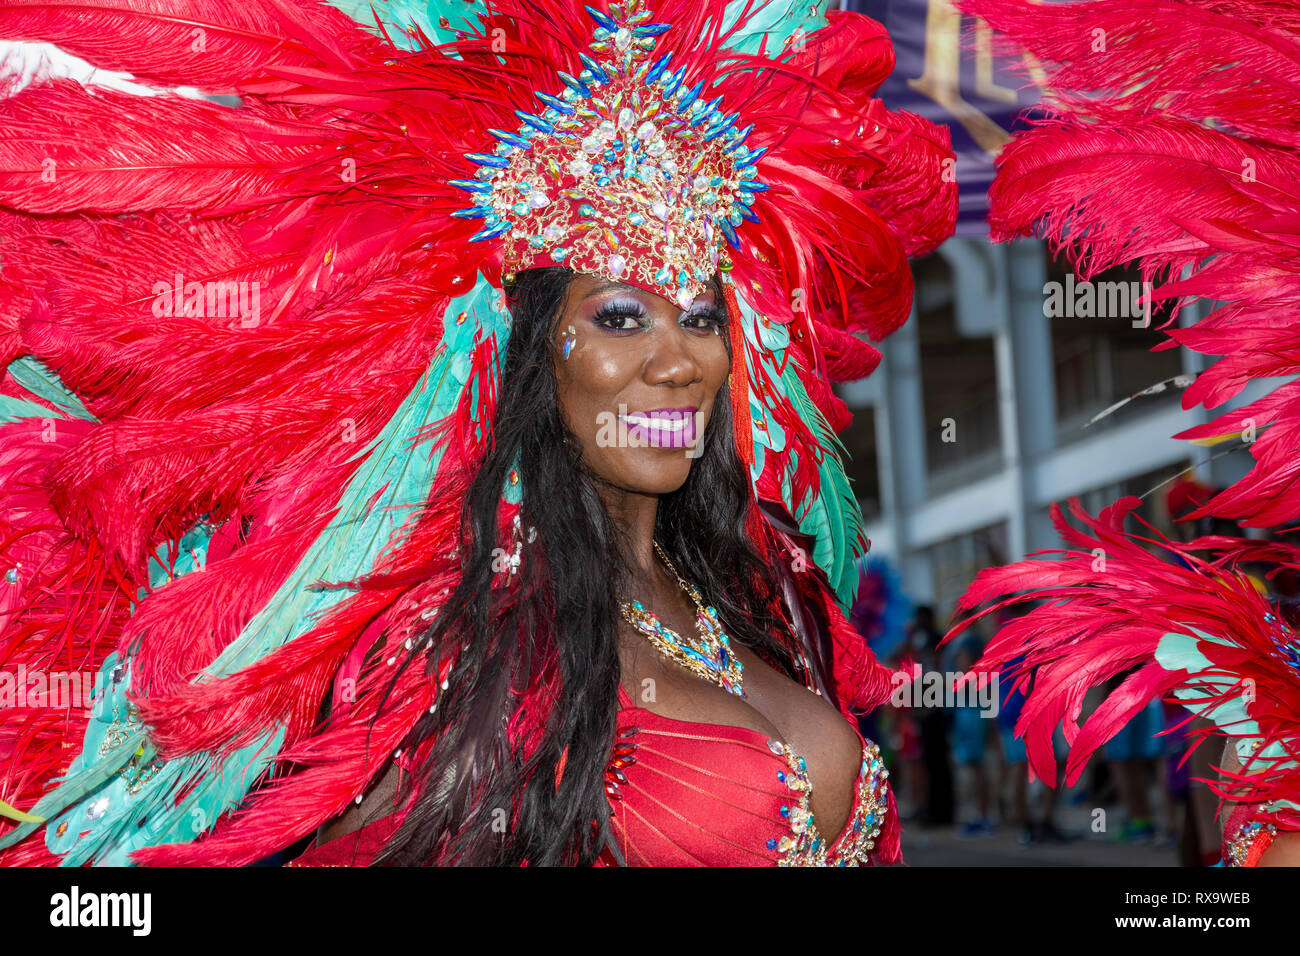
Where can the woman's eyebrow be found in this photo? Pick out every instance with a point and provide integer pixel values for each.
(608, 286)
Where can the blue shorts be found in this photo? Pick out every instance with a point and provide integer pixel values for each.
(1013, 748)
(1137, 739)
(969, 731)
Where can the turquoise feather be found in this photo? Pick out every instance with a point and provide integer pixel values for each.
(31, 373)
(1176, 651)
(833, 518)
(776, 21)
(400, 15)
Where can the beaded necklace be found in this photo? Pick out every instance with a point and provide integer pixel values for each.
(710, 657)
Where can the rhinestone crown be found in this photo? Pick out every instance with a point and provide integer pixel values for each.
(627, 174)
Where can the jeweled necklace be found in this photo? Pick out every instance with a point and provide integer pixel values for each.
(710, 658)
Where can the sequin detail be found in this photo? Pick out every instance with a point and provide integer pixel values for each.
(804, 846)
(1248, 845)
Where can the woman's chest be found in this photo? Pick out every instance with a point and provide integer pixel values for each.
(774, 712)
(691, 794)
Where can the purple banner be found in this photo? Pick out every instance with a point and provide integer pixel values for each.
(947, 73)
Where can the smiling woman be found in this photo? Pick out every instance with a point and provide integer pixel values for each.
(728, 755)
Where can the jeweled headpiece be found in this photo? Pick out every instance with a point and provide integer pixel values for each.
(629, 173)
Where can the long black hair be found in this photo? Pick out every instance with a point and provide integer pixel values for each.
(483, 798)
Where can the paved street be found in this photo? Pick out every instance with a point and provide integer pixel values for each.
(942, 846)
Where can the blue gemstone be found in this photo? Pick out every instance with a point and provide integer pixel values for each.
(785, 811)
(780, 775)
(473, 212)
(555, 103)
(746, 213)
(573, 83)
(753, 185)
(729, 232)
(559, 253)
(586, 209)
(771, 844)
(604, 19)
(511, 138)
(536, 122)
(487, 159)
(741, 134)
(491, 232)
(674, 80)
(690, 97)
(657, 70)
(651, 29)
(597, 73)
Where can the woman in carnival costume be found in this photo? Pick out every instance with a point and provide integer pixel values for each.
(1170, 140)
(432, 444)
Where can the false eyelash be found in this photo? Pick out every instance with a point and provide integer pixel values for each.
(716, 314)
(619, 310)
(631, 309)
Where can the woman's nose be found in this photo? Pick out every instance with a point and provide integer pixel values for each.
(672, 359)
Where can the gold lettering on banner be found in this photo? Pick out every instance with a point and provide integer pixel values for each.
(940, 77)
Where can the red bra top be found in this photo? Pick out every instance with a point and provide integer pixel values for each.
(691, 794)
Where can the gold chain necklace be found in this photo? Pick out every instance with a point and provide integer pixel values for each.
(709, 658)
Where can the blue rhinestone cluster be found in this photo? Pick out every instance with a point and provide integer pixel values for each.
(628, 173)
(804, 845)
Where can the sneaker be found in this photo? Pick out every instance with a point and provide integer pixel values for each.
(1136, 831)
(975, 830)
(972, 830)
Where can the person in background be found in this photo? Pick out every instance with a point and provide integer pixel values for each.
(923, 650)
(970, 728)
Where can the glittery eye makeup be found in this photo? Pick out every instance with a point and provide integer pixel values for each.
(630, 315)
(622, 315)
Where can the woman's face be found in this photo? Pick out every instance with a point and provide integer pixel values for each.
(640, 380)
